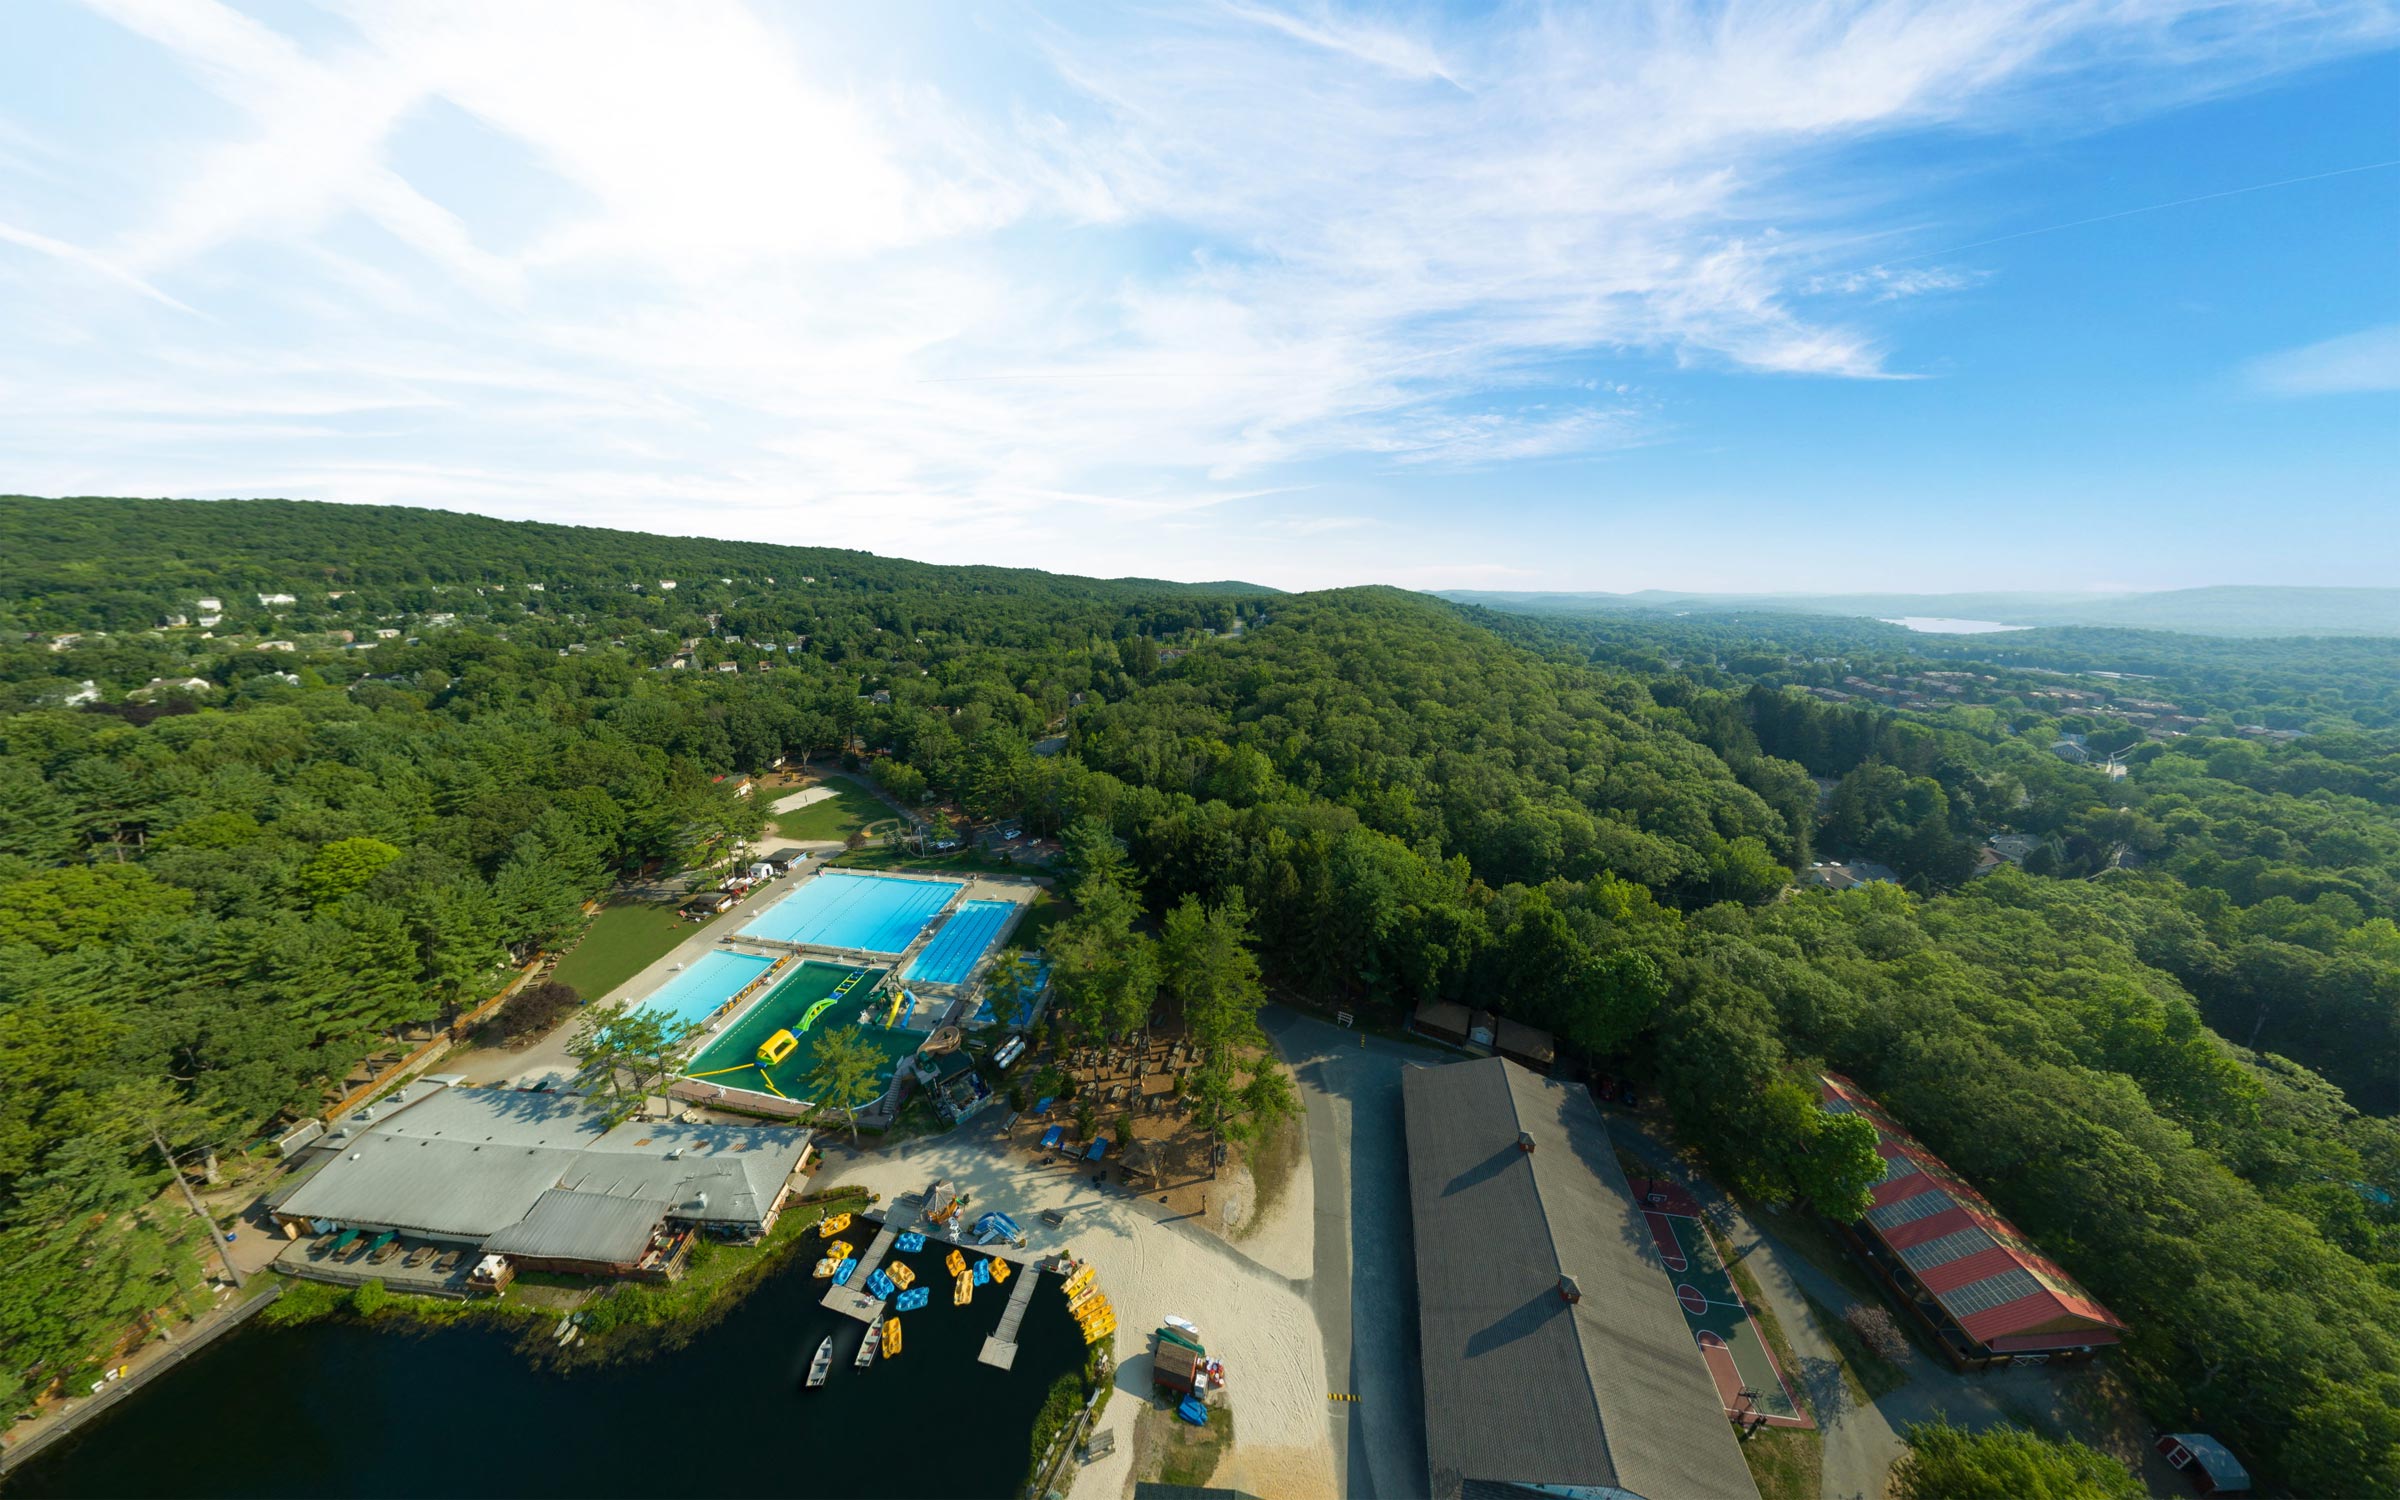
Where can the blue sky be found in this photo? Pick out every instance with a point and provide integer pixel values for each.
(1917, 294)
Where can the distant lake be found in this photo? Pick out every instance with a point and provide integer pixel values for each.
(1943, 625)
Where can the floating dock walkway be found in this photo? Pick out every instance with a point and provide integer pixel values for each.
(855, 1300)
(1001, 1348)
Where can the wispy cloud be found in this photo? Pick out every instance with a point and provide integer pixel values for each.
(2368, 360)
(86, 260)
(818, 274)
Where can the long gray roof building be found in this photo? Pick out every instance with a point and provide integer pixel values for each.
(1515, 1192)
(541, 1174)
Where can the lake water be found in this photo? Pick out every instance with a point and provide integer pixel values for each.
(1943, 625)
(341, 1408)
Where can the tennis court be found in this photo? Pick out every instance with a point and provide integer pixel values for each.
(812, 1000)
(954, 951)
(1736, 1352)
(863, 913)
(703, 988)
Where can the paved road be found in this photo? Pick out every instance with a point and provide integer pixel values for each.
(1364, 1285)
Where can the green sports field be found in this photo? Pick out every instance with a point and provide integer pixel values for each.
(732, 1059)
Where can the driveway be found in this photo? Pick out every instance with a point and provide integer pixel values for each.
(1364, 1286)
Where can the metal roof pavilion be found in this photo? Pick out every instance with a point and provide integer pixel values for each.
(1985, 1274)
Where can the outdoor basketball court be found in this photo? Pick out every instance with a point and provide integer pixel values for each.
(1729, 1338)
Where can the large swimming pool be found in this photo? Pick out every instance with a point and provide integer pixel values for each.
(866, 913)
(710, 981)
(951, 956)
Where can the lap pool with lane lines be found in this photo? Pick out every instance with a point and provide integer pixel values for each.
(951, 956)
(869, 913)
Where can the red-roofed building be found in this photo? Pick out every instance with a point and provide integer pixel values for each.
(1945, 1253)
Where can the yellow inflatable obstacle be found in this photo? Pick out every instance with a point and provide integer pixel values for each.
(999, 1269)
(833, 1226)
(956, 1262)
(776, 1048)
(964, 1292)
(902, 1276)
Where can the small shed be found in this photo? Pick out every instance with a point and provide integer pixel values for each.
(1526, 1046)
(1442, 1020)
(1175, 1367)
(2207, 1463)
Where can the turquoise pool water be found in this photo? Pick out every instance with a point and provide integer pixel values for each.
(709, 981)
(951, 956)
(868, 913)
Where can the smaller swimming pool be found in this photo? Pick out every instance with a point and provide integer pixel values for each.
(865, 913)
(709, 981)
(953, 953)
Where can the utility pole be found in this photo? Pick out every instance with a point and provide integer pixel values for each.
(224, 1250)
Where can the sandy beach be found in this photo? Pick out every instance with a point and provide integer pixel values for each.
(1251, 1311)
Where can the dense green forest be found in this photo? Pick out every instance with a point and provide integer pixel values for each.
(2167, 1044)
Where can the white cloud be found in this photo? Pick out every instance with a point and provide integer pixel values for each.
(1890, 284)
(2368, 360)
(1026, 279)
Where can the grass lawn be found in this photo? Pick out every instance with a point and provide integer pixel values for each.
(1046, 912)
(1185, 1454)
(965, 862)
(849, 810)
(1786, 1463)
(625, 938)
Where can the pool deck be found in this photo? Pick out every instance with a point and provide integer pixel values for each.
(999, 1350)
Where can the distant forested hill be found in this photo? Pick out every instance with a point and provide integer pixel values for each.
(2224, 611)
(86, 563)
(236, 858)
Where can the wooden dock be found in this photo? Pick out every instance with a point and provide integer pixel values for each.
(1001, 1348)
(855, 1300)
